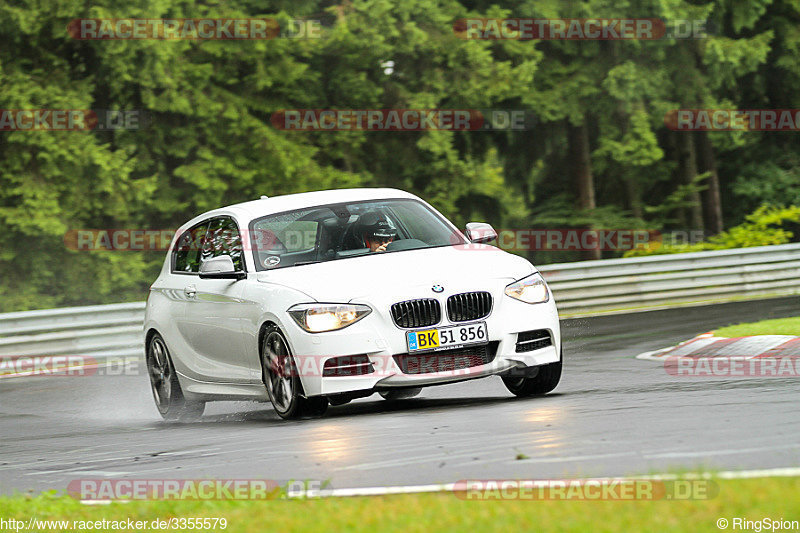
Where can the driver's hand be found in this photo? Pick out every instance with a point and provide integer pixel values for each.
(382, 247)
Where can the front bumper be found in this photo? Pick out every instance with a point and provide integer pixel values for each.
(377, 337)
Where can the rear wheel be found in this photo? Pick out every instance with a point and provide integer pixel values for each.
(544, 380)
(282, 381)
(167, 393)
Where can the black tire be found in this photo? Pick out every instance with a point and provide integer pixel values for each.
(545, 380)
(400, 394)
(281, 379)
(167, 392)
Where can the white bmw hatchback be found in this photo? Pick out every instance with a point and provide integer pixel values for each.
(318, 298)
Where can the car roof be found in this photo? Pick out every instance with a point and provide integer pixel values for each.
(288, 202)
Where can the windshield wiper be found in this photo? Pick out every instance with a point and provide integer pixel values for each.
(301, 263)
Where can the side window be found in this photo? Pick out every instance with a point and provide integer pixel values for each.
(186, 256)
(223, 238)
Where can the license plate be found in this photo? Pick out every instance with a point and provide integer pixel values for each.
(449, 337)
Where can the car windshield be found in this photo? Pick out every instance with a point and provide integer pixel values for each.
(340, 231)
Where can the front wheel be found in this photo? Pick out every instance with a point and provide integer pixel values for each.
(545, 380)
(282, 381)
(167, 393)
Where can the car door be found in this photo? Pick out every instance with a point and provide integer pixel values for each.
(180, 287)
(215, 310)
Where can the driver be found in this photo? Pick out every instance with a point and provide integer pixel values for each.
(377, 231)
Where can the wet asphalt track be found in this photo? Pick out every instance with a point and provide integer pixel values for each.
(611, 415)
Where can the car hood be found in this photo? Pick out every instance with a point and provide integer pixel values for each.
(396, 275)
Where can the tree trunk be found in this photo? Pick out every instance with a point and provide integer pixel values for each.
(581, 166)
(688, 172)
(634, 197)
(630, 179)
(707, 163)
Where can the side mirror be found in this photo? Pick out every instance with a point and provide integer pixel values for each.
(220, 267)
(480, 232)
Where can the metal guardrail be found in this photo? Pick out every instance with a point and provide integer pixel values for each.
(657, 281)
(580, 289)
(97, 330)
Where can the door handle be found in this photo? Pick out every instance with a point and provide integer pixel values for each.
(190, 291)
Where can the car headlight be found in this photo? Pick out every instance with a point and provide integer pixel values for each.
(531, 290)
(316, 318)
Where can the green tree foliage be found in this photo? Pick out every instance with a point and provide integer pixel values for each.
(764, 227)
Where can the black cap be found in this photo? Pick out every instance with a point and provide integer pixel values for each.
(376, 226)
